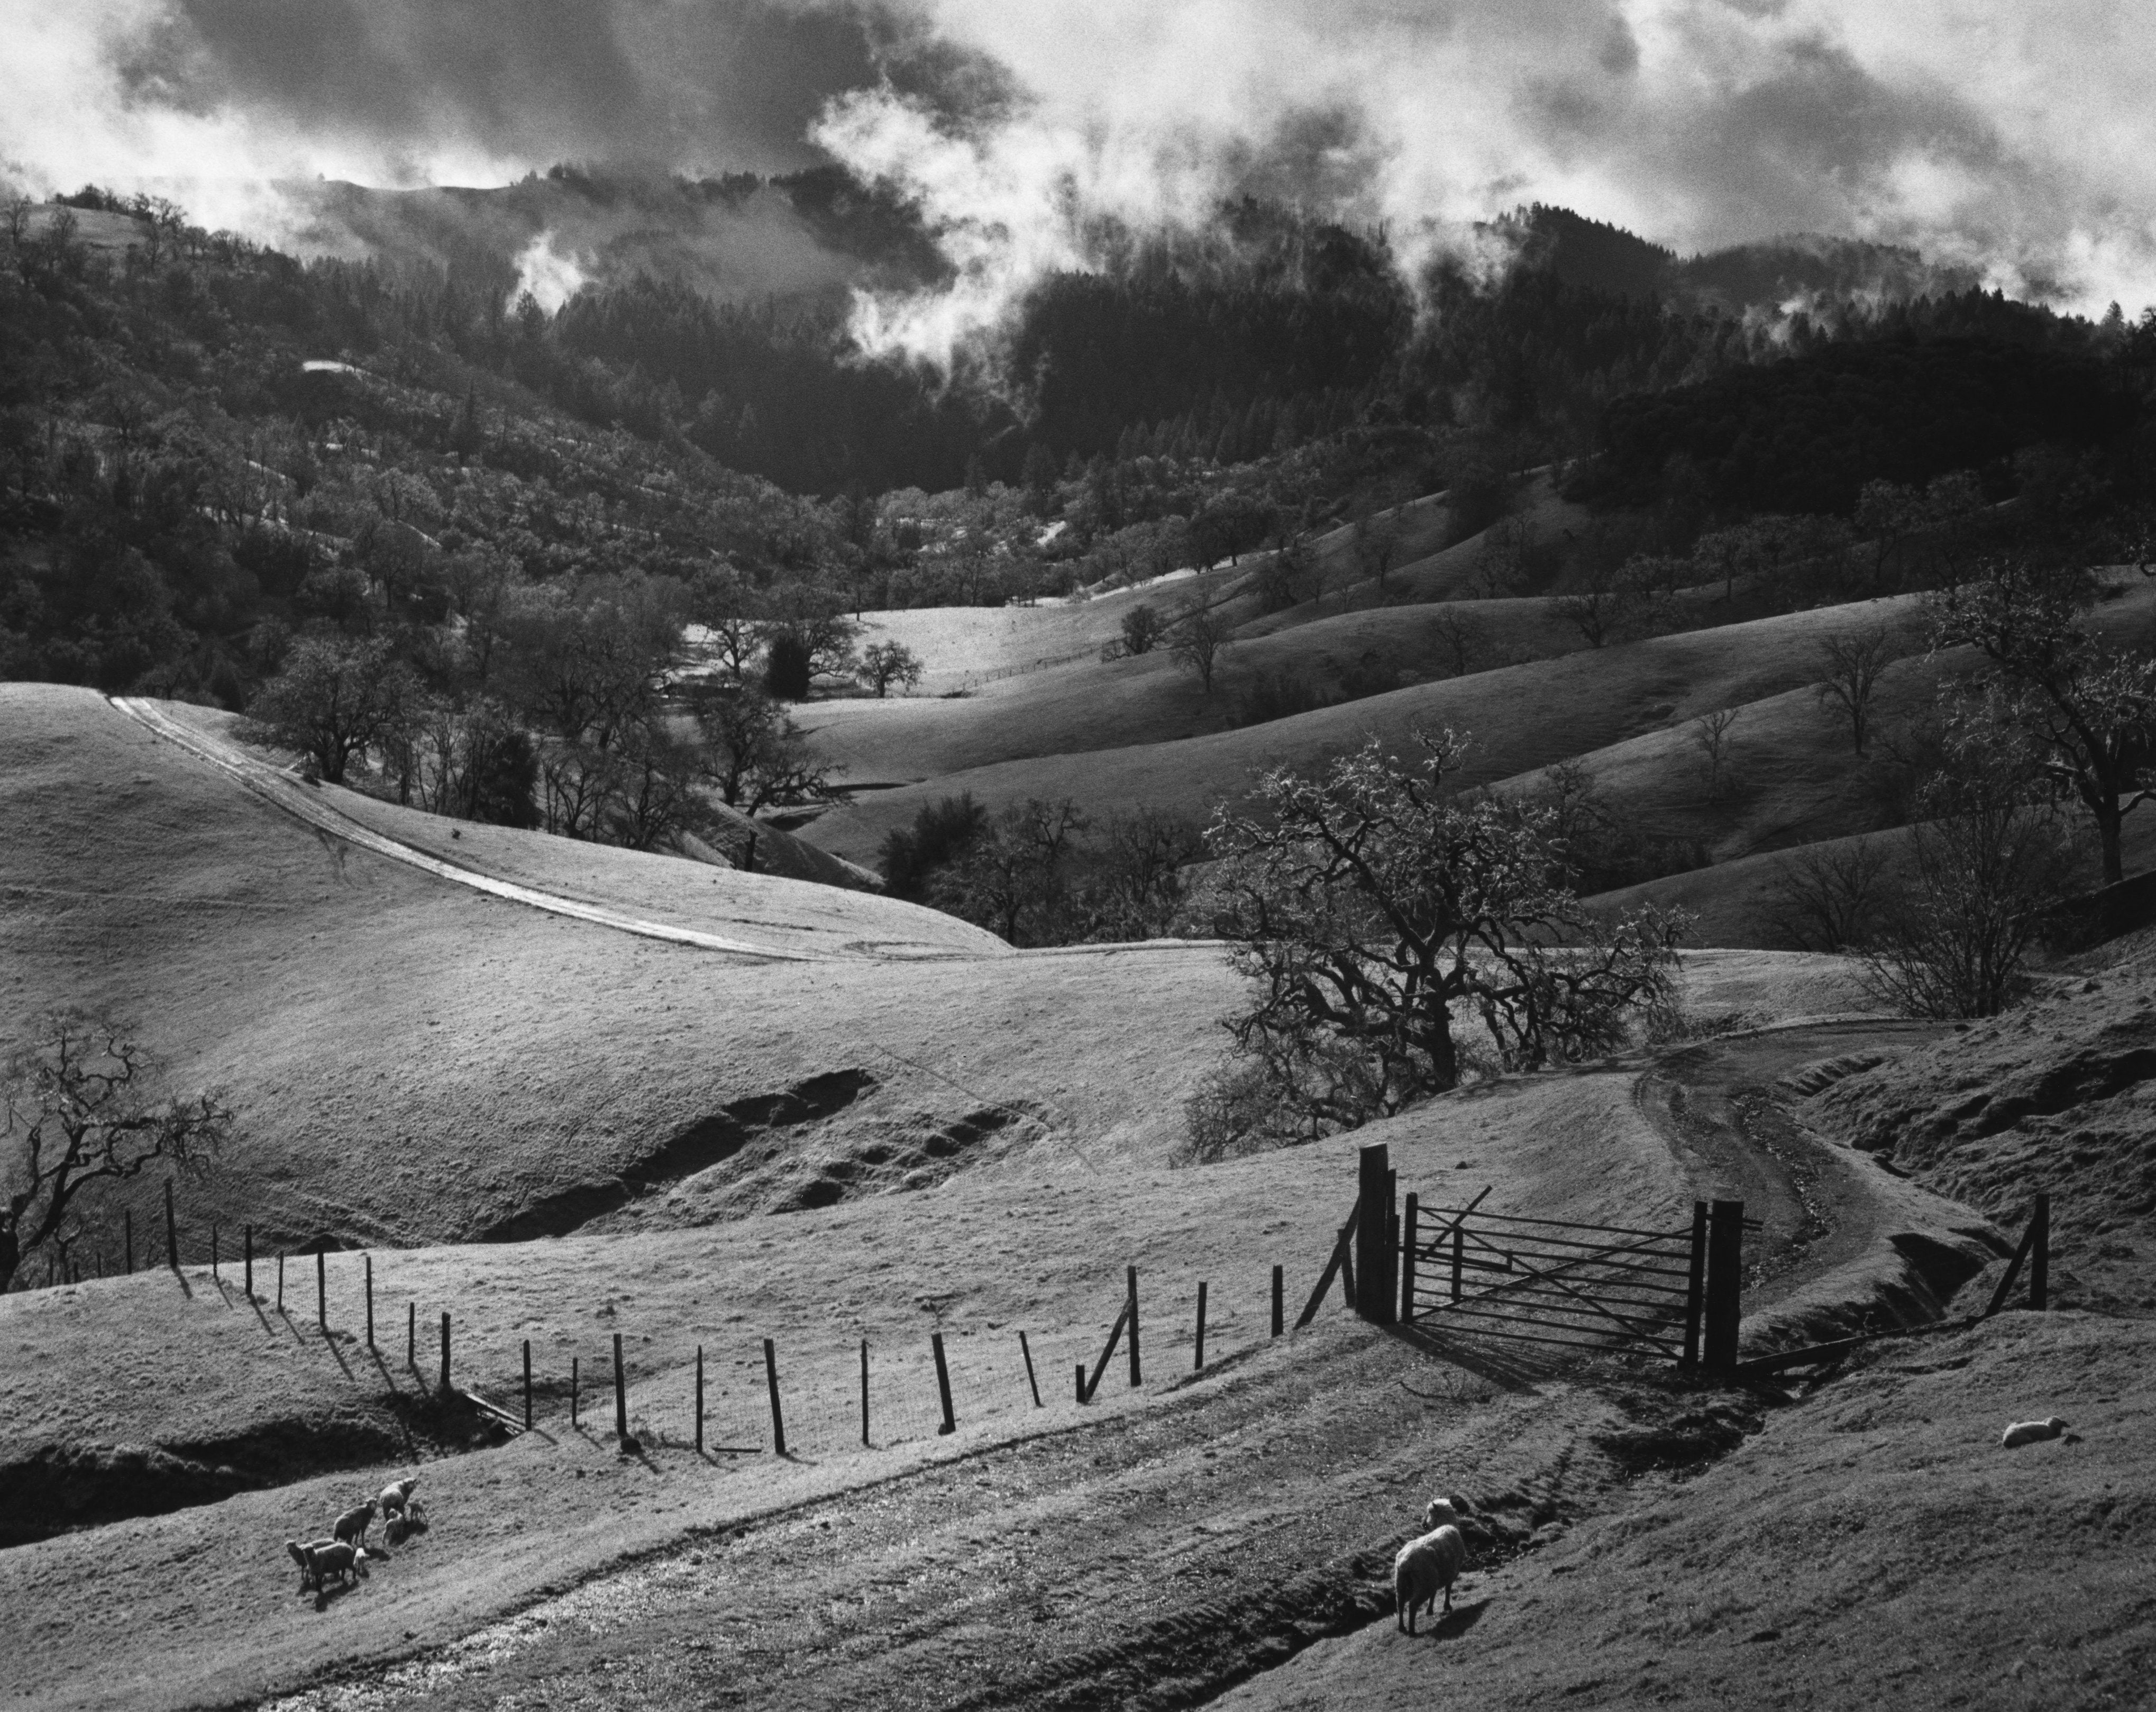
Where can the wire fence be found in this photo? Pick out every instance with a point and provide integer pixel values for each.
(729, 1392)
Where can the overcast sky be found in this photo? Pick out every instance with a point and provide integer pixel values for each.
(2018, 137)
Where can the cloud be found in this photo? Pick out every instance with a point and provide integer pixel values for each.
(2016, 138)
(406, 92)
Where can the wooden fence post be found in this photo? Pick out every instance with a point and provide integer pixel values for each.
(943, 1384)
(172, 1231)
(445, 1352)
(1280, 1300)
(771, 1379)
(864, 1391)
(1081, 1382)
(370, 1300)
(2039, 1254)
(1410, 1234)
(1695, 1284)
(1198, 1357)
(620, 1395)
(1373, 1297)
(281, 1281)
(246, 1241)
(322, 1291)
(411, 1329)
(1725, 1283)
(213, 1271)
(527, 1385)
(1132, 1273)
(1026, 1350)
(1459, 1253)
(127, 1215)
(700, 1399)
(573, 1377)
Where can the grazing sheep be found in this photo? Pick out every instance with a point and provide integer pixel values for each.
(2021, 1432)
(339, 1558)
(397, 1496)
(1443, 1512)
(353, 1526)
(1425, 1567)
(303, 1555)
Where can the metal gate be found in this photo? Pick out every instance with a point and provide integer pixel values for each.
(1601, 1288)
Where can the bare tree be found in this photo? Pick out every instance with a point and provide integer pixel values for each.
(78, 1107)
(1197, 638)
(1366, 904)
(1459, 636)
(1854, 663)
(884, 664)
(734, 614)
(1376, 544)
(2092, 709)
(754, 753)
(1710, 734)
(1828, 894)
(1501, 562)
(1991, 859)
(1011, 877)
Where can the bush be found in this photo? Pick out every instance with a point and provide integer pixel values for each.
(941, 833)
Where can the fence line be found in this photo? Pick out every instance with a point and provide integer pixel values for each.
(830, 1394)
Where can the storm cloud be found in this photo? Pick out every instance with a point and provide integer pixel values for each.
(2015, 139)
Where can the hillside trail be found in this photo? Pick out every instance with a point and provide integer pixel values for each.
(1160, 1557)
(305, 802)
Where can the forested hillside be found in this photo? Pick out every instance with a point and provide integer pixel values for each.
(572, 567)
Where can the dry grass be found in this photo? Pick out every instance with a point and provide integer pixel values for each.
(1522, 717)
(1874, 1546)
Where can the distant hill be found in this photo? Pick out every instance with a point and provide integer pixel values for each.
(1800, 268)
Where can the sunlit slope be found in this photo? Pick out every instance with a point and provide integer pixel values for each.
(1092, 704)
(1522, 718)
(409, 1059)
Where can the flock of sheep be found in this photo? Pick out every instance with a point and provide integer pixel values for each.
(344, 1553)
(1428, 1565)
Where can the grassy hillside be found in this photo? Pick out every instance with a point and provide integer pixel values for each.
(410, 1060)
(1873, 1544)
(1523, 718)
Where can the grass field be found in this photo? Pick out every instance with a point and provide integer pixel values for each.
(1522, 719)
(694, 1108)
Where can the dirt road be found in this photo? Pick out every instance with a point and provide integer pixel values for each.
(1153, 1560)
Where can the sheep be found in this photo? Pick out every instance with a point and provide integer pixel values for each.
(339, 1558)
(397, 1496)
(353, 1526)
(1425, 1567)
(303, 1555)
(1441, 1512)
(2021, 1432)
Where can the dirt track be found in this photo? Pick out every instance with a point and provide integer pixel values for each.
(1153, 1560)
(1158, 1558)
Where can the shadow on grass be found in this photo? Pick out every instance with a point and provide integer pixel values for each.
(1511, 1370)
(1453, 1623)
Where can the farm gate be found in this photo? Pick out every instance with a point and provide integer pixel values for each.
(1602, 1288)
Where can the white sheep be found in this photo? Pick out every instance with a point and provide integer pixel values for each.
(303, 1555)
(1441, 1512)
(321, 1558)
(1425, 1567)
(396, 1497)
(2021, 1432)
